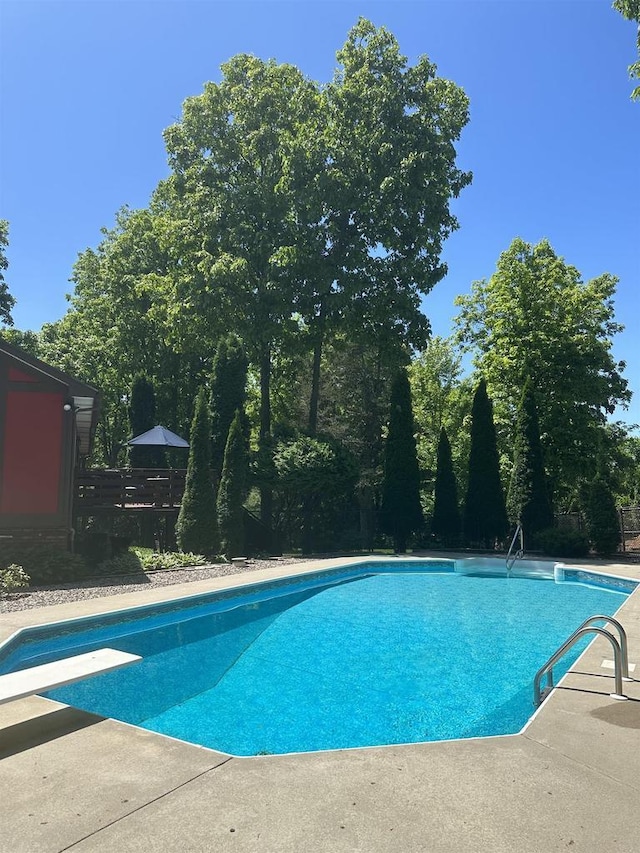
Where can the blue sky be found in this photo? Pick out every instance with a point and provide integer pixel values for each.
(86, 89)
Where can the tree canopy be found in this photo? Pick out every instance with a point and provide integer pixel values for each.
(6, 299)
(307, 210)
(282, 265)
(536, 317)
(305, 218)
(630, 9)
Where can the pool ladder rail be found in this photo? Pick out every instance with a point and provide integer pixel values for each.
(620, 657)
(512, 555)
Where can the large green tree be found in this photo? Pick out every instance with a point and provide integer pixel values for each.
(400, 510)
(485, 514)
(122, 320)
(306, 219)
(6, 299)
(528, 497)
(318, 208)
(536, 317)
(382, 195)
(239, 161)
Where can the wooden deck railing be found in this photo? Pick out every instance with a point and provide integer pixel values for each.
(98, 488)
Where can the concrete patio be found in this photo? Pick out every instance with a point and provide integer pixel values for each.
(570, 781)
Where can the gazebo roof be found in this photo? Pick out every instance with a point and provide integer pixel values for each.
(158, 436)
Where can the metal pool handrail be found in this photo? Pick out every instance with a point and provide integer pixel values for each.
(580, 632)
(517, 555)
(622, 634)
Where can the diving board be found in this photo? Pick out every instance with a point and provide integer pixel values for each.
(46, 676)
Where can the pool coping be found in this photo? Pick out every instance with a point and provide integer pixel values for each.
(15, 622)
(575, 725)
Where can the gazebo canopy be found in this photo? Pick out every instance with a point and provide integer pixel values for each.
(159, 436)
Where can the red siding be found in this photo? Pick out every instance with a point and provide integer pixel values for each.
(16, 375)
(32, 453)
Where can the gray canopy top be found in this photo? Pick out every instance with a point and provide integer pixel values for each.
(159, 436)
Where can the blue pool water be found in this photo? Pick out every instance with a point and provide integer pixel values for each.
(378, 659)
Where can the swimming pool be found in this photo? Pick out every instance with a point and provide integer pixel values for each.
(373, 654)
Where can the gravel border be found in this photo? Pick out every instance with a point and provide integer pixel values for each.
(42, 596)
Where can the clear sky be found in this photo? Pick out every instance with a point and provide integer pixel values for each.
(86, 89)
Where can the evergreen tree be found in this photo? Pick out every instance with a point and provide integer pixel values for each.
(232, 490)
(401, 511)
(228, 392)
(142, 417)
(446, 515)
(196, 528)
(528, 499)
(485, 514)
(603, 525)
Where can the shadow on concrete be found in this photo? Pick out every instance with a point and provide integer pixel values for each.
(31, 733)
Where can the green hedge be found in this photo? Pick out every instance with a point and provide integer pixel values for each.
(556, 542)
(45, 565)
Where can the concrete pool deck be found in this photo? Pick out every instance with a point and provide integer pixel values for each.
(570, 781)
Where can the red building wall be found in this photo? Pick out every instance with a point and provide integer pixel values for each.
(32, 453)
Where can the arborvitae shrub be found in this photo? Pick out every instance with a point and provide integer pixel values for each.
(231, 492)
(196, 527)
(228, 392)
(401, 511)
(314, 491)
(528, 499)
(485, 514)
(603, 525)
(556, 542)
(445, 523)
(142, 417)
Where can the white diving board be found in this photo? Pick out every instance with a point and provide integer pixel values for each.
(39, 679)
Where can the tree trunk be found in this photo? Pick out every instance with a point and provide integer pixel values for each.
(400, 544)
(369, 459)
(264, 440)
(365, 498)
(315, 373)
(111, 447)
(309, 505)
